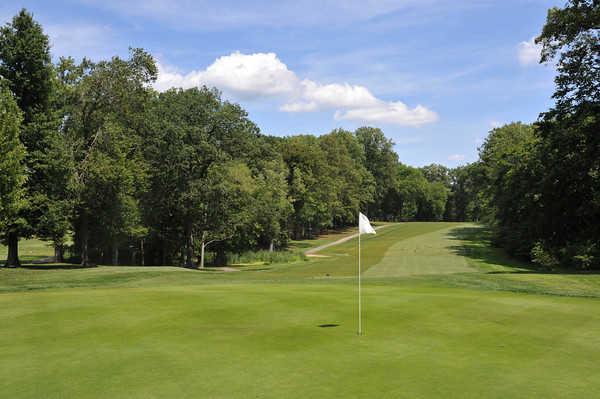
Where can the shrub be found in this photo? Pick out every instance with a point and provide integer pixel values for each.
(543, 257)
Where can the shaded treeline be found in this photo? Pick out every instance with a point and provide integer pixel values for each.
(539, 185)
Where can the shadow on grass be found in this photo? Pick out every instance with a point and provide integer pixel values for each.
(55, 266)
(476, 245)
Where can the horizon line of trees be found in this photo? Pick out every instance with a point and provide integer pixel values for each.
(90, 152)
(93, 154)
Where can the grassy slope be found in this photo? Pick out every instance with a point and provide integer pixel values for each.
(168, 332)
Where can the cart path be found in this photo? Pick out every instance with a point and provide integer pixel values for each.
(313, 251)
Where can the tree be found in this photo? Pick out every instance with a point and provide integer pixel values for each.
(311, 185)
(465, 201)
(228, 191)
(272, 206)
(189, 133)
(26, 66)
(572, 33)
(381, 161)
(437, 173)
(507, 160)
(569, 144)
(12, 171)
(25, 63)
(351, 182)
(102, 124)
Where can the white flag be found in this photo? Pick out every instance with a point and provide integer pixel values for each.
(364, 227)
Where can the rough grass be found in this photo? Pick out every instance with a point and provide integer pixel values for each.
(264, 257)
(474, 325)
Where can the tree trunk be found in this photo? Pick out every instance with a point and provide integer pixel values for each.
(142, 251)
(115, 254)
(85, 236)
(58, 252)
(202, 255)
(271, 246)
(12, 260)
(189, 246)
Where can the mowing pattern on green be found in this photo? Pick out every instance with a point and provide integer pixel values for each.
(431, 253)
(156, 332)
(263, 341)
(341, 260)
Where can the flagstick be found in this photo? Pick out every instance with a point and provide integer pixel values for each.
(359, 296)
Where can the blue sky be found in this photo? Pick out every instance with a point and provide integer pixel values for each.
(434, 75)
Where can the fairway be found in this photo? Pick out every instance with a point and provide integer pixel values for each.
(430, 253)
(441, 321)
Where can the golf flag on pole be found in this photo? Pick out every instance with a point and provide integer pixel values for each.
(364, 227)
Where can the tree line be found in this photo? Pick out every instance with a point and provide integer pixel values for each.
(538, 184)
(96, 161)
(93, 155)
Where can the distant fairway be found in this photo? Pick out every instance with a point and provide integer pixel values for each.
(430, 253)
(446, 316)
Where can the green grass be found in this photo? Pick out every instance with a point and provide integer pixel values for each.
(29, 250)
(447, 316)
(325, 238)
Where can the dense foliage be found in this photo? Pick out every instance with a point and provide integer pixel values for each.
(97, 160)
(540, 184)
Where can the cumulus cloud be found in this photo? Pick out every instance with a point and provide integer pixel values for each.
(252, 75)
(338, 95)
(394, 113)
(456, 157)
(529, 52)
(249, 76)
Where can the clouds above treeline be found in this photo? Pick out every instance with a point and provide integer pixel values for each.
(264, 75)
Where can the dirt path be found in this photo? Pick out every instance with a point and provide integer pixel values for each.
(313, 251)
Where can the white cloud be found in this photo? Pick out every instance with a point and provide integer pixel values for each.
(249, 76)
(394, 113)
(529, 52)
(456, 157)
(299, 107)
(338, 95)
(171, 77)
(246, 75)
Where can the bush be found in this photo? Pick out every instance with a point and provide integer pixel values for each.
(543, 257)
(583, 256)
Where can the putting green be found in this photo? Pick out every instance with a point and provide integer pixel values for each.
(434, 328)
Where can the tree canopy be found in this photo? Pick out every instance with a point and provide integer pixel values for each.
(91, 152)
